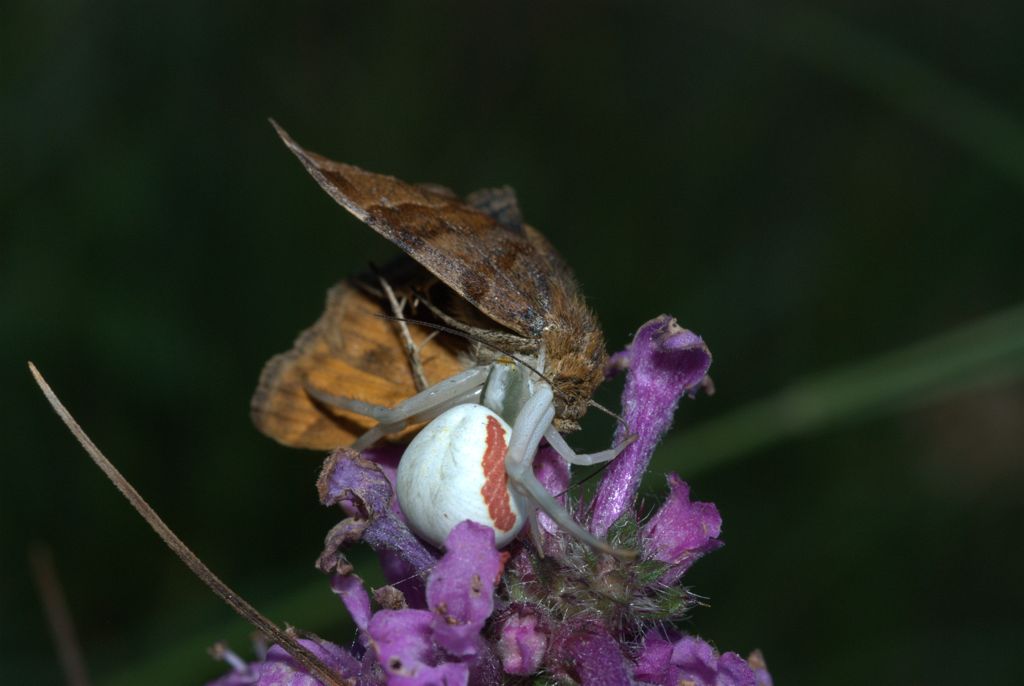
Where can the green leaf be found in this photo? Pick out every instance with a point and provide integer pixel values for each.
(625, 532)
(670, 604)
(647, 572)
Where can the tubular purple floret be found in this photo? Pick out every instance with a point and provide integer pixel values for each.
(663, 362)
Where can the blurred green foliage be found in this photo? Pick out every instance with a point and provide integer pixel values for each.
(809, 190)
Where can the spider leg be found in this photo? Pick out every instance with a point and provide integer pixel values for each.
(464, 387)
(533, 420)
(556, 441)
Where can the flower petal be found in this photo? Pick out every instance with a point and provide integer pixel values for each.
(681, 532)
(460, 590)
(733, 670)
(390, 533)
(350, 589)
(695, 661)
(485, 668)
(358, 485)
(522, 643)
(345, 532)
(553, 474)
(761, 675)
(279, 668)
(654, 662)
(586, 653)
(663, 362)
(362, 488)
(401, 639)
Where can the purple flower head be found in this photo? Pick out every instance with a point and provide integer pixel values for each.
(548, 606)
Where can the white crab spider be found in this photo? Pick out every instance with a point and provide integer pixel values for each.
(493, 411)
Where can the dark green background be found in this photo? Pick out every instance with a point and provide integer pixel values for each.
(808, 188)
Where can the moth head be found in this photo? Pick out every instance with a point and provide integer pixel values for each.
(575, 367)
(572, 398)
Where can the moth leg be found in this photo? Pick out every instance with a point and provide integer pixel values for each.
(464, 387)
(431, 336)
(533, 420)
(509, 341)
(412, 351)
(556, 441)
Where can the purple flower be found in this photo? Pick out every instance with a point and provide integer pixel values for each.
(362, 488)
(475, 615)
(460, 590)
(691, 660)
(401, 640)
(663, 362)
(439, 644)
(522, 642)
(680, 532)
(278, 668)
(407, 646)
(585, 652)
(553, 473)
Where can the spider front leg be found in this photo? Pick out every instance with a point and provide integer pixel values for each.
(530, 426)
(464, 387)
(556, 441)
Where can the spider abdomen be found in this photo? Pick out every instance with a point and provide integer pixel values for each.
(454, 470)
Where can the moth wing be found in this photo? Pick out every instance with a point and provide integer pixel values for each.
(495, 266)
(351, 351)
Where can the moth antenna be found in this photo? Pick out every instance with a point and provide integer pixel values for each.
(588, 477)
(593, 403)
(301, 654)
(51, 592)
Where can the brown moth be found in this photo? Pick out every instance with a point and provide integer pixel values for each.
(481, 250)
(532, 351)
